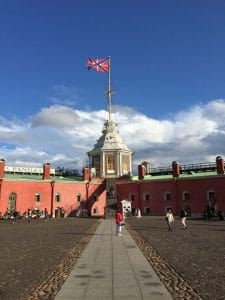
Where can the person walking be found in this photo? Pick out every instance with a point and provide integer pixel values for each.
(183, 217)
(170, 219)
(29, 217)
(46, 215)
(15, 216)
(118, 221)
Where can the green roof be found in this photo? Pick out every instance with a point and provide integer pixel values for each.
(32, 177)
(192, 175)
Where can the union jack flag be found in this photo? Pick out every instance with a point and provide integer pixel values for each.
(98, 64)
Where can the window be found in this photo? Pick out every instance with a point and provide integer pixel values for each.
(37, 197)
(125, 163)
(57, 197)
(111, 164)
(167, 196)
(132, 197)
(186, 196)
(210, 195)
(79, 198)
(95, 198)
(12, 202)
(146, 197)
(146, 210)
(95, 211)
(96, 164)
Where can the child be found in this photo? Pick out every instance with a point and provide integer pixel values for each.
(118, 220)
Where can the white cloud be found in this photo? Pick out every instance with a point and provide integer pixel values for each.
(62, 135)
(55, 116)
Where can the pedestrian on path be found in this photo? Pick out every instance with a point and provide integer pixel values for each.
(183, 217)
(170, 219)
(118, 221)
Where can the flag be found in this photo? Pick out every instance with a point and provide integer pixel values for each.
(98, 64)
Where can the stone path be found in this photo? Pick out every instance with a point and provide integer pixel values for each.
(112, 267)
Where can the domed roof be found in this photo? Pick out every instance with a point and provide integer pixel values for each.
(110, 139)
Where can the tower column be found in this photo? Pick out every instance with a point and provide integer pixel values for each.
(102, 165)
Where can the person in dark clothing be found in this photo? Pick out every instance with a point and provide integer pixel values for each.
(183, 217)
(46, 214)
(15, 216)
(29, 217)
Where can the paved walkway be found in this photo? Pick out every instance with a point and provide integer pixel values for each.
(112, 267)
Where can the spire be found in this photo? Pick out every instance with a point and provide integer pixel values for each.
(110, 156)
(109, 92)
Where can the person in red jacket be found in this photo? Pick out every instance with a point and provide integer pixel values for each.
(118, 220)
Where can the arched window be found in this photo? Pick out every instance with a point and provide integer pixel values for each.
(37, 197)
(57, 197)
(12, 202)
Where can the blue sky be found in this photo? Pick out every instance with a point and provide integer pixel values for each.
(168, 75)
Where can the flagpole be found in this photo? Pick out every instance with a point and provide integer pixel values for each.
(109, 94)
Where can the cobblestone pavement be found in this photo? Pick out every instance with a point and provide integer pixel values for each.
(36, 258)
(191, 263)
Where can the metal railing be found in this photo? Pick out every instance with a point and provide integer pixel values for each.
(187, 168)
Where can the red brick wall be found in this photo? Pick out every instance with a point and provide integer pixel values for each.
(25, 192)
(68, 191)
(197, 187)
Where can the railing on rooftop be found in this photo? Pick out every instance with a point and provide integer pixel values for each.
(188, 168)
